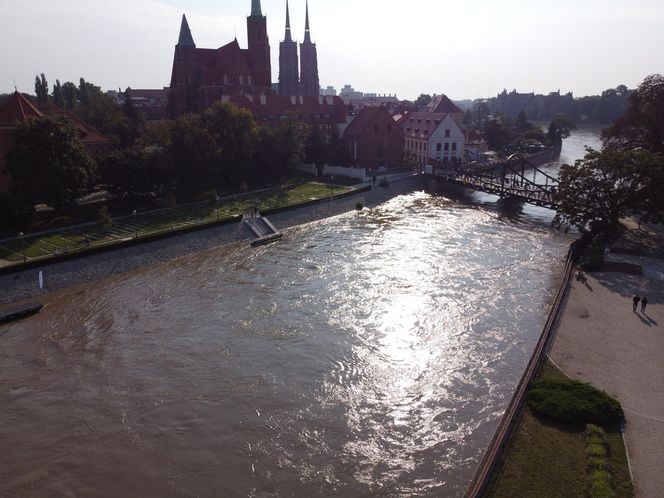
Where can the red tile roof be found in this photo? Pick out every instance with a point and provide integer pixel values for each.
(362, 120)
(421, 124)
(308, 109)
(445, 105)
(86, 133)
(17, 108)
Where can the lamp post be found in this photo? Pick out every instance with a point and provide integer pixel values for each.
(135, 227)
(20, 236)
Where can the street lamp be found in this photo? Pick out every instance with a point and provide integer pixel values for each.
(135, 227)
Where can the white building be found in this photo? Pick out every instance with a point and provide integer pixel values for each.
(433, 138)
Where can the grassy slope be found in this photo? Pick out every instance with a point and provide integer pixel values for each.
(179, 217)
(548, 460)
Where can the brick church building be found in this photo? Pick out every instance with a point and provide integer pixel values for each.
(202, 76)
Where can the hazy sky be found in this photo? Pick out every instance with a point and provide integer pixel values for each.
(466, 49)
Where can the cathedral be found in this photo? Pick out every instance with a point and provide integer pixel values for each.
(202, 76)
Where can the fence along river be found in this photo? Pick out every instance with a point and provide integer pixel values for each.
(370, 353)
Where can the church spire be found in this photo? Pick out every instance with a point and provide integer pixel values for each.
(185, 33)
(307, 37)
(288, 32)
(256, 10)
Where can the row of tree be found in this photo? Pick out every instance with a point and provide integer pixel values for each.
(596, 109)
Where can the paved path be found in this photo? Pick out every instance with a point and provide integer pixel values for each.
(602, 341)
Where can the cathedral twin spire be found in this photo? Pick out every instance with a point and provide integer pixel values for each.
(287, 36)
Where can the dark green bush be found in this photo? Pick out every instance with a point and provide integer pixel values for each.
(359, 205)
(572, 402)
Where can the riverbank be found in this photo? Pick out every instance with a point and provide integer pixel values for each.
(24, 285)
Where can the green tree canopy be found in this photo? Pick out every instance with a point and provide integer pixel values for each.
(598, 191)
(41, 90)
(48, 163)
(423, 100)
(642, 126)
(58, 97)
(69, 95)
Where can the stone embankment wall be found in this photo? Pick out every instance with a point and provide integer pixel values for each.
(25, 284)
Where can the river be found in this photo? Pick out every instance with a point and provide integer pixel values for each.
(368, 354)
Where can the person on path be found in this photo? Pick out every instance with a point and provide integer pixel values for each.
(636, 300)
(644, 303)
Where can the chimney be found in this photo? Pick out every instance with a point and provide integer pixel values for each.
(263, 99)
(293, 100)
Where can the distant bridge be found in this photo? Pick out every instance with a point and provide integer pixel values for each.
(516, 178)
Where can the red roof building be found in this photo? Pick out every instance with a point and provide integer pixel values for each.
(327, 113)
(441, 104)
(19, 109)
(374, 139)
(433, 138)
(201, 76)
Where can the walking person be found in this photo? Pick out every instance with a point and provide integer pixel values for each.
(644, 303)
(636, 300)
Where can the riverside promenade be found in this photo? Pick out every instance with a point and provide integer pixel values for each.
(23, 285)
(601, 341)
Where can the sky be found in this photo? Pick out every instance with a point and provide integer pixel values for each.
(465, 49)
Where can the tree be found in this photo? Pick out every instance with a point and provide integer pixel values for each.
(598, 191)
(41, 90)
(559, 128)
(234, 132)
(194, 152)
(69, 95)
(134, 172)
(48, 163)
(522, 124)
(58, 98)
(129, 129)
(423, 100)
(642, 126)
(497, 137)
(83, 93)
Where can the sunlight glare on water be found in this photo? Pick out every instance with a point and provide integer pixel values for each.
(371, 353)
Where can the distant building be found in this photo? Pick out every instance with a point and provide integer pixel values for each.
(329, 91)
(433, 138)
(18, 109)
(374, 139)
(348, 93)
(152, 103)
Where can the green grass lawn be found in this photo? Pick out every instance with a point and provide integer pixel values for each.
(545, 459)
(164, 220)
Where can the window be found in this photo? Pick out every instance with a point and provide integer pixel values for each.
(408, 130)
(438, 147)
(447, 133)
(376, 128)
(447, 147)
(454, 146)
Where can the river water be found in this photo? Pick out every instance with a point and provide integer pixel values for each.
(370, 354)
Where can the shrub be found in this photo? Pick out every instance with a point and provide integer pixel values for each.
(359, 205)
(572, 402)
